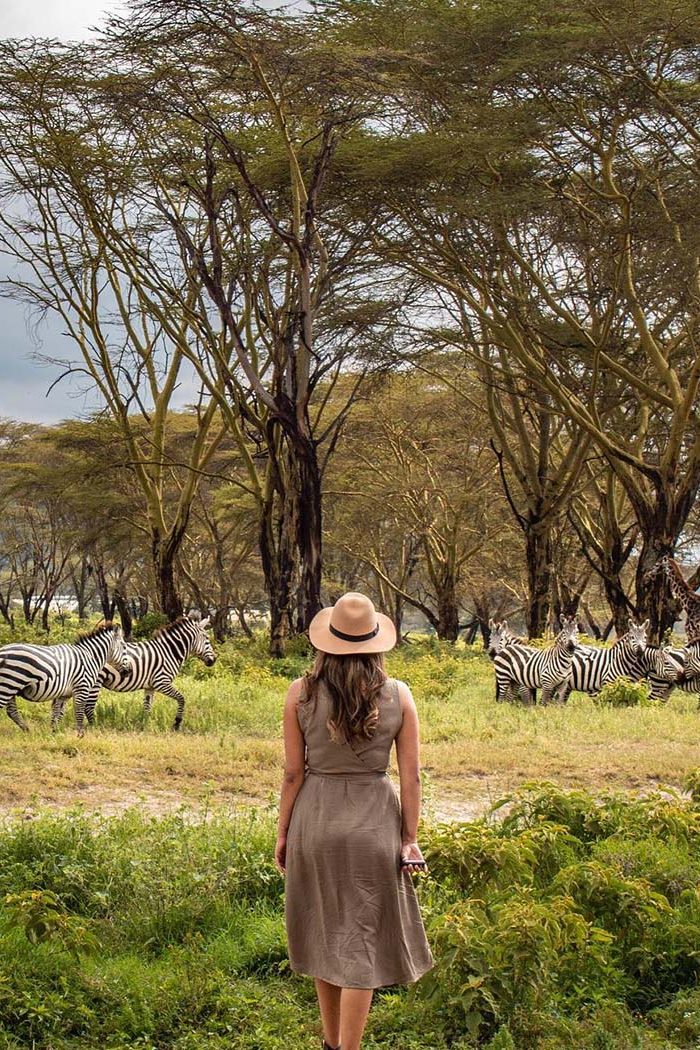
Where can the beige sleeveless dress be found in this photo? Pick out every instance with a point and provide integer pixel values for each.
(352, 915)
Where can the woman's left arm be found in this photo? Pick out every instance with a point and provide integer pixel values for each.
(293, 770)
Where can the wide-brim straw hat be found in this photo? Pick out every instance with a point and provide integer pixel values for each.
(350, 626)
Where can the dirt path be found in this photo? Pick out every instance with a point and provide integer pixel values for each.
(112, 801)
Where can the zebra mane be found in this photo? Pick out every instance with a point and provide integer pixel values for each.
(102, 628)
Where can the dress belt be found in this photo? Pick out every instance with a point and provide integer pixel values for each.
(358, 773)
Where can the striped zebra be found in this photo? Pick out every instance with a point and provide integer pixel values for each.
(682, 672)
(57, 672)
(546, 669)
(153, 665)
(592, 667)
(500, 635)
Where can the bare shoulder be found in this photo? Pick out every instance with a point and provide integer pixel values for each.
(294, 692)
(405, 696)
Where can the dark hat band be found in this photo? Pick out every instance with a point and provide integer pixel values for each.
(353, 637)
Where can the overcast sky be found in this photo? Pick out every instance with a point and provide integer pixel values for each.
(24, 382)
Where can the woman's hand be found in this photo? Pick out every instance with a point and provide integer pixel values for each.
(411, 857)
(281, 853)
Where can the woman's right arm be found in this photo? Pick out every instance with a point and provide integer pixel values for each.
(408, 758)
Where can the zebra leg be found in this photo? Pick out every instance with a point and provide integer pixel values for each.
(80, 699)
(57, 709)
(169, 690)
(547, 691)
(14, 714)
(148, 701)
(90, 705)
(562, 693)
(507, 692)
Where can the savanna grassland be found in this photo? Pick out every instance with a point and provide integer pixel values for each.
(230, 750)
(140, 907)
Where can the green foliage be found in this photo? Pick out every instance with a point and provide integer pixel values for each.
(623, 693)
(571, 922)
(691, 784)
(146, 626)
(43, 918)
(568, 903)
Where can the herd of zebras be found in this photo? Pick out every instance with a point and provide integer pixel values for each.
(101, 658)
(568, 666)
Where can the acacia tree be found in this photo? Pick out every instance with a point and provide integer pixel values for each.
(238, 115)
(560, 169)
(64, 193)
(417, 496)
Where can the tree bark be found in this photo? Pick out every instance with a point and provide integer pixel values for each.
(661, 525)
(654, 599)
(538, 551)
(122, 605)
(307, 478)
(164, 552)
(447, 620)
(277, 537)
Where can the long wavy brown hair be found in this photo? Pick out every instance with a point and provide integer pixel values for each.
(353, 684)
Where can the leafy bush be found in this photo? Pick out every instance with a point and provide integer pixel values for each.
(623, 693)
(146, 626)
(573, 922)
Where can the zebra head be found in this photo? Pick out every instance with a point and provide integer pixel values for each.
(636, 637)
(661, 662)
(568, 636)
(498, 637)
(117, 654)
(692, 659)
(200, 645)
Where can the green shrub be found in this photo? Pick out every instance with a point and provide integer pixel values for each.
(147, 625)
(623, 693)
(572, 923)
(691, 784)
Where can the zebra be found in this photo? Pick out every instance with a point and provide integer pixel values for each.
(500, 635)
(593, 667)
(682, 672)
(545, 669)
(153, 665)
(56, 672)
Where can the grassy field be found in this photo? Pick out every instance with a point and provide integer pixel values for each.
(230, 749)
(139, 906)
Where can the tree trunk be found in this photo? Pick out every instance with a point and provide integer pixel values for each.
(593, 625)
(660, 524)
(617, 601)
(220, 623)
(106, 602)
(654, 599)
(124, 612)
(245, 627)
(277, 536)
(164, 552)
(80, 586)
(305, 475)
(447, 625)
(397, 617)
(538, 548)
